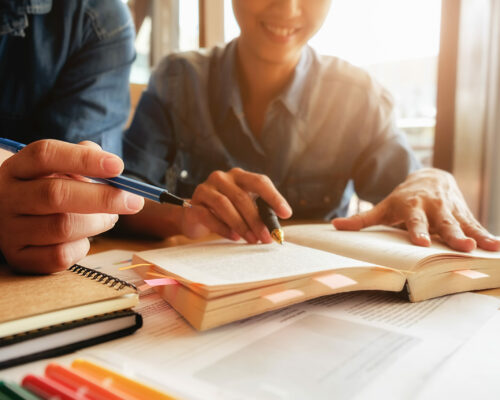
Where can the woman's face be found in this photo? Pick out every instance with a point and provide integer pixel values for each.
(276, 30)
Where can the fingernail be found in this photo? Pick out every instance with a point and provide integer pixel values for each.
(113, 218)
(234, 236)
(251, 238)
(112, 165)
(133, 202)
(424, 236)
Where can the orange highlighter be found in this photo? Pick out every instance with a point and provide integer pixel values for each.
(114, 381)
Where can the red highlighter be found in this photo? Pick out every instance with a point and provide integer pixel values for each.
(47, 388)
(71, 379)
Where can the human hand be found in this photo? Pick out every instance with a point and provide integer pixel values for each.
(224, 204)
(48, 210)
(427, 202)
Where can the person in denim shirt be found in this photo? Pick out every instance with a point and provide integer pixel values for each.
(266, 115)
(64, 68)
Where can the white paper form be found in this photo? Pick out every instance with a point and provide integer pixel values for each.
(342, 346)
(473, 371)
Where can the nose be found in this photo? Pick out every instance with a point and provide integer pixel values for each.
(289, 8)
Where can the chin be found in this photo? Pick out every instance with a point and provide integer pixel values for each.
(279, 57)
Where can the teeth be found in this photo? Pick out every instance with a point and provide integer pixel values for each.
(279, 31)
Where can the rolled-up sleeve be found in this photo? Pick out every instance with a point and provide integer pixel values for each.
(387, 158)
(149, 143)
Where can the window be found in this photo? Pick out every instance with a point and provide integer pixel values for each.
(162, 26)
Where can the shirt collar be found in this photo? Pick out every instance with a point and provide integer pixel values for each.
(291, 96)
(294, 92)
(14, 14)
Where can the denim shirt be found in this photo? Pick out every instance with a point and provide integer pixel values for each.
(329, 133)
(64, 68)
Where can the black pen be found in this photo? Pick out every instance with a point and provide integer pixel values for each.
(121, 182)
(270, 220)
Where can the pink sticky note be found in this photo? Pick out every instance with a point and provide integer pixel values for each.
(161, 282)
(470, 273)
(285, 295)
(335, 281)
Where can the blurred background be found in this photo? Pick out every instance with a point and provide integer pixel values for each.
(440, 59)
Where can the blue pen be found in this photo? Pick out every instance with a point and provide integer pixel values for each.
(121, 182)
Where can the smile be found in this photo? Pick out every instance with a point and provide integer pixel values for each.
(280, 31)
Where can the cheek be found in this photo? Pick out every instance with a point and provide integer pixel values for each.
(316, 16)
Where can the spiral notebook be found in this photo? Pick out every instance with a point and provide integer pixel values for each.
(48, 315)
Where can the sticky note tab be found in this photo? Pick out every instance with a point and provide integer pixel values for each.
(133, 266)
(161, 282)
(472, 274)
(284, 295)
(335, 281)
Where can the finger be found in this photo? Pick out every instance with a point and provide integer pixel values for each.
(451, 233)
(55, 195)
(224, 210)
(199, 214)
(245, 206)
(48, 259)
(92, 145)
(483, 238)
(263, 187)
(59, 228)
(362, 220)
(418, 227)
(46, 157)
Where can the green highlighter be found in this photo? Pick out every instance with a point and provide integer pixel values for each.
(12, 391)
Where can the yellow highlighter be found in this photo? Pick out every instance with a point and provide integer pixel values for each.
(115, 381)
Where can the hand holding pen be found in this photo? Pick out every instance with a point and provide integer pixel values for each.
(230, 197)
(45, 217)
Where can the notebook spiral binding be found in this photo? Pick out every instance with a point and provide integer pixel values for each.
(102, 277)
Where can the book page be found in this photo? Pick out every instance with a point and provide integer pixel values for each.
(225, 263)
(381, 245)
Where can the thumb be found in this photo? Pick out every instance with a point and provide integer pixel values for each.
(359, 221)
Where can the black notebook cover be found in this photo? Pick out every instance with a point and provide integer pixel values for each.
(127, 322)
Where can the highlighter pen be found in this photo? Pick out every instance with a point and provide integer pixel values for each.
(48, 389)
(70, 378)
(115, 381)
(270, 220)
(121, 182)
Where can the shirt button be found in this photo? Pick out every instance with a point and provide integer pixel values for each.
(327, 199)
(302, 202)
(183, 174)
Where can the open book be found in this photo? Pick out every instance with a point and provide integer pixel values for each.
(222, 281)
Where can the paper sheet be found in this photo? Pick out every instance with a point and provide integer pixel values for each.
(225, 262)
(390, 247)
(473, 371)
